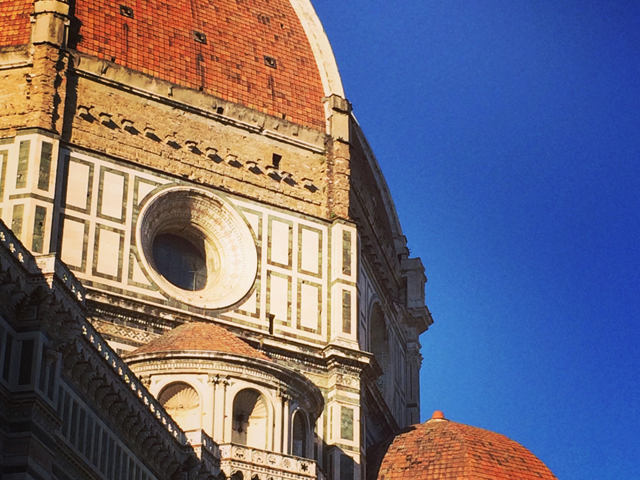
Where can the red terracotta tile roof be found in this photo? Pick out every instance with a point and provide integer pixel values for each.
(160, 40)
(200, 336)
(15, 25)
(444, 450)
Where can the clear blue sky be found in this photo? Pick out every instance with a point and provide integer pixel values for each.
(509, 133)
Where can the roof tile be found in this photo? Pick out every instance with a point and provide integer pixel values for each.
(444, 450)
(200, 336)
(160, 40)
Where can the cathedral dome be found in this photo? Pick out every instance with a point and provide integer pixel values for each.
(198, 337)
(271, 56)
(441, 449)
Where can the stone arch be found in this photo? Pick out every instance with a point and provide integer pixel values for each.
(250, 419)
(299, 434)
(379, 344)
(182, 402)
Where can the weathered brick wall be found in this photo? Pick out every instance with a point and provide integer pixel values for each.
(32, 95)
(338, 179)
(15, 99)
(229, 61)
(243, 163)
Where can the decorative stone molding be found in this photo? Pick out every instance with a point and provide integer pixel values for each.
(252, 461)
(202, 104)
(44, 296)
(229, 254)
(50, 18)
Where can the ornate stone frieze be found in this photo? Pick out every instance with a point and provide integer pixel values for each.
(252, 461)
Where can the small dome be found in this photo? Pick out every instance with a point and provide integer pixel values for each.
(201, 337)
(445, 450)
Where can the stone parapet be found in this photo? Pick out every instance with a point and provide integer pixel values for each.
(250, 461)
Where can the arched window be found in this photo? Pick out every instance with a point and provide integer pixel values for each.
(299, 437)
(250, 419)
(182, 402)
(380, 346)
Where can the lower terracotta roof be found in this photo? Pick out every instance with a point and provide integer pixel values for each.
(444, 450)
(200, 336)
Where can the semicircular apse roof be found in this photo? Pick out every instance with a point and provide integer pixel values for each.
(198, 337)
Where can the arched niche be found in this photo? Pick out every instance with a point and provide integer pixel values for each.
(379, 341)
(299, 434)
(250, 419)
(182, 402)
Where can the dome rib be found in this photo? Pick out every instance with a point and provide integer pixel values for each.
(200, 337)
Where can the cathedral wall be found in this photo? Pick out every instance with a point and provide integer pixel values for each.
(306, 268)
(28, 166)
(196, 136)
(382, 332)
(32, 89)
(15, 91)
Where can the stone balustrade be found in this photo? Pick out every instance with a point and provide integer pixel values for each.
(123, 371)
(251, 461)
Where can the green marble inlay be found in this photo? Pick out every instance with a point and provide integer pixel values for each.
(38, 229)
(23, 164)
(346, 253)
(4, 156)
(45, 166)
(346, 311)
(346, 423)
(16, 220)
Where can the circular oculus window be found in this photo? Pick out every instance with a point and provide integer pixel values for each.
(197, 248)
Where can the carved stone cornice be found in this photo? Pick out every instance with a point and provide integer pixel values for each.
(42, 294)
(223, 367)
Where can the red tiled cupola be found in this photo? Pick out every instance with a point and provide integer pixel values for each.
(199, 337)
(445, 450)
(253, 53)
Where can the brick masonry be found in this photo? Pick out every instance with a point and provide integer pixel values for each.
(448, 450)
(230, 63)
(140, 103)
(14, 19)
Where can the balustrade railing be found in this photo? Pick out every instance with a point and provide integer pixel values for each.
(130, 379)
(254, 460)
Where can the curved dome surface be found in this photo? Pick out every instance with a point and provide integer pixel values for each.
(252, 52)
(199, 336)
(445, 450)
(15, 24)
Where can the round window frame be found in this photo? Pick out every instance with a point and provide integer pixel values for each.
(229, 244)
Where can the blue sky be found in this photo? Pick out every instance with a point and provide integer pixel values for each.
(509, 133)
